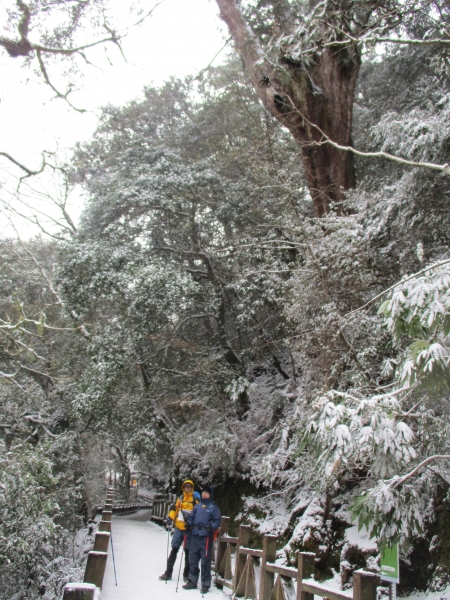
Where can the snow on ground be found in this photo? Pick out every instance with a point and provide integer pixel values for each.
(140, 550)
(442, 595)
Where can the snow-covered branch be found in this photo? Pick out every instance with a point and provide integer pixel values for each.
(397, 481)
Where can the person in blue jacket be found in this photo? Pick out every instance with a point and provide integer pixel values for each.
(203, 522)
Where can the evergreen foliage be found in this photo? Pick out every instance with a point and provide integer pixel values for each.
(204, 322)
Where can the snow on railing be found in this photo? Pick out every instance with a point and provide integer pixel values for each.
(96, 561)
(250, 573)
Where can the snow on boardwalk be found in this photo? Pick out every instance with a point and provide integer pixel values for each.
(140, 549)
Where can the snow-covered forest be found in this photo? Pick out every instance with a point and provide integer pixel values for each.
(257, 295)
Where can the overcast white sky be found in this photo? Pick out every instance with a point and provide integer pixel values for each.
(179, 39)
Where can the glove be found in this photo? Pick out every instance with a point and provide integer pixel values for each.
(215, 534)
(187, 527)
(169, 523)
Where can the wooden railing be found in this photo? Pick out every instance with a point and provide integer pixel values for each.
(161, 507)
(126, 509)
(96, 561)
(254, 574)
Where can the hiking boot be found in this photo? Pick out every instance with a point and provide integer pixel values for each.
(185, 579)
(190, 586)
(165, 577)
(204, 590)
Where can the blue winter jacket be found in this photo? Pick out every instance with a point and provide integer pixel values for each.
(204, 518)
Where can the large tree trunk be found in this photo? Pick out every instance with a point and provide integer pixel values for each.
(314, 104)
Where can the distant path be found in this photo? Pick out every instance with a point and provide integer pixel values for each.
(140, 550)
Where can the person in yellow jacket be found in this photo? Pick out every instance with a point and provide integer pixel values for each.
(177, 517)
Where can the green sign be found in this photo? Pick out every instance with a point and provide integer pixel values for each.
(389, 567)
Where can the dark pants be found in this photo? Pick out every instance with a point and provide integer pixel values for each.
(200, 551)
(179, 538)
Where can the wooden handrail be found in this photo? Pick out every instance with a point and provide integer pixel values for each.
(243, 581)
(311, 586)
(284, 571)
(96, 561)
(251, 552)
(228, 539)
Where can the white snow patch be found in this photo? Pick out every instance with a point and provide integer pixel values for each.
(275, 517)
(442, 595)
(360, 539)
(70, 587)
(310, 521)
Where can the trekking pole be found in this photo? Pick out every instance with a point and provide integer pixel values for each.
(114, 560)
(181, 562)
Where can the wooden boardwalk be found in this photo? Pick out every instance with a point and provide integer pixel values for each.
(140, 548)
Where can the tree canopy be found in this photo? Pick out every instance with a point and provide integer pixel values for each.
(212, 316)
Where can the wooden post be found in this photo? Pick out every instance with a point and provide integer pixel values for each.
(365, 585)
(269, 556)
(104, 526)
(79, 591)
(95, 568)
(305, 567)
(101, 541)
(241, 559)
(106, 515)
(222, 546)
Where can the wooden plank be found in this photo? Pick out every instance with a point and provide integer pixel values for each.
(95, 568)
(285, 571)
(221, 545)
(240, 561)
(269, 555)
(309, 585)
(228, 539)
(305, 569)
(251, 552)
(224, 569)
(365, 585)
(250, 583)
(228, 584)
(239, 588)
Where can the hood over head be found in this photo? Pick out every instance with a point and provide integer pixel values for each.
(209, 489)
(189, 482)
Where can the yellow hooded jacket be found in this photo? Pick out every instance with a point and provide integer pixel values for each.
(185, 503)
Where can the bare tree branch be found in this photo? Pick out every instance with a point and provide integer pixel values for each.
(28, 171)
(23, 47)
(50, 84)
